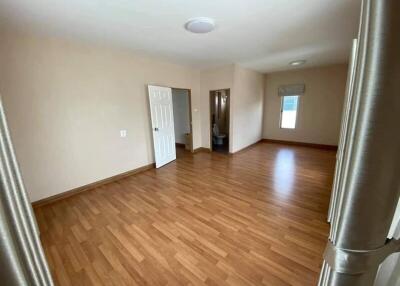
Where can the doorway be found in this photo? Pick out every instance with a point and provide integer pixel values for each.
(181, 100)
(168, 131)
(219, 120)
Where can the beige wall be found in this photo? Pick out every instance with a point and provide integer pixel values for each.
(247, 108)
(246, 103)
(320, 109)
(66, 103)
(213, 79)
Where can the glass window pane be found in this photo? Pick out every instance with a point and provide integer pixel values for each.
(289, 111)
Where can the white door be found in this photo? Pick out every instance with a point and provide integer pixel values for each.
(162, 121)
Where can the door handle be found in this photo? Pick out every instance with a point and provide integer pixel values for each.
(156, 129)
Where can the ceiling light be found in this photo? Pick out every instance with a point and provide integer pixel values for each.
(297, 63)
(200, 25)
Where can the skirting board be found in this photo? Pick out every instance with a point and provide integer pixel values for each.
(91, 186)
(202, 149)
(303, 144)
(246, 148)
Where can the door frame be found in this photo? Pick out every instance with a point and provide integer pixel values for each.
(190, 113)
(229, 116)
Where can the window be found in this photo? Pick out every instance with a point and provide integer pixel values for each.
(289, 111)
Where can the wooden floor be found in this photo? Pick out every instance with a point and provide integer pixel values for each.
(255, 218)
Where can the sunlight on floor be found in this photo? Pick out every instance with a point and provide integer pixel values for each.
(284, 171)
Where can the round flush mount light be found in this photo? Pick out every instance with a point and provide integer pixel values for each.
(200, 25)
(297, 63)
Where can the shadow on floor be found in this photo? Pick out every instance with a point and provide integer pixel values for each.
(221, 148)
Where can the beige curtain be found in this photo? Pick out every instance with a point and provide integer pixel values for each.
(22, 261)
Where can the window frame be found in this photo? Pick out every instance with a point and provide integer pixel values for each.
(281, 112)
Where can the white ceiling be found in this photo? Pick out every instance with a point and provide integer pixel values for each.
(264, 35)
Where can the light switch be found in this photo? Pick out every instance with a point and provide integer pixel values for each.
(122, 133)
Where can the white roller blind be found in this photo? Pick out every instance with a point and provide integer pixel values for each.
(291, 89)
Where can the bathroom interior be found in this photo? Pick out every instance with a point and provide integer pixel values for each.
(219, 111)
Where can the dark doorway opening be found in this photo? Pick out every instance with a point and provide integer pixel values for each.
(219, 120)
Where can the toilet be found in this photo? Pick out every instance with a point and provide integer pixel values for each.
(218, 139)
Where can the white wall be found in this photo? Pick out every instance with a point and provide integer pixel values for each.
(246, 104)
(66, 102)
(180, 100)
(388, 273)
(320, 109)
